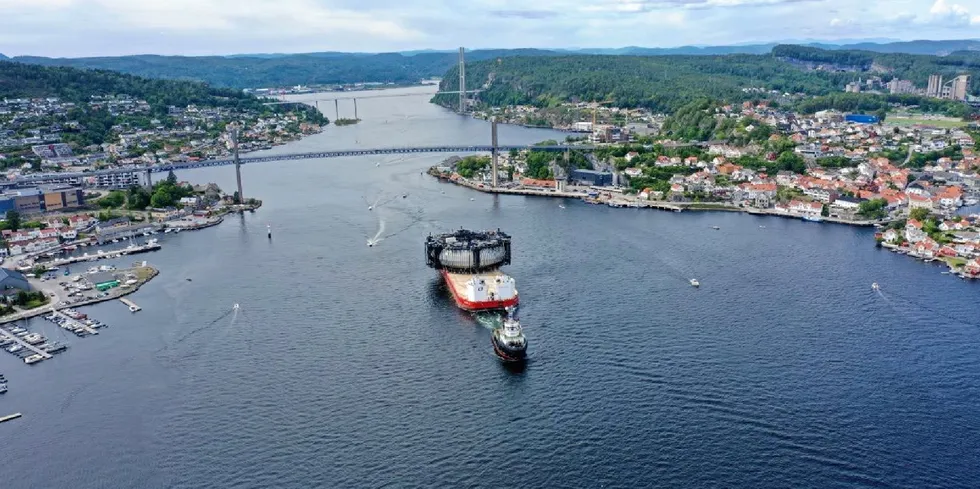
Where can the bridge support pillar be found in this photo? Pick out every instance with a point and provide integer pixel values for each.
(149, 180)
(355, 109)
(494, 153)
(336, 110)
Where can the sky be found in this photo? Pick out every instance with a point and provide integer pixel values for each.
(76, 28)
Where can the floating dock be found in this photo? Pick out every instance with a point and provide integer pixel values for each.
(10, 417)
(76, 323)
(132, 305)
(45, 355)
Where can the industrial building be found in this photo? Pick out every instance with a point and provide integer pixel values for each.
(12, 282)
(592, 177)
(104, 281)
(43, 199)
(953, 89)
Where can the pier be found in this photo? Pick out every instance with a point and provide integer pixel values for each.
(10, 417)
(7, 334)
(132, 305)
(130, 250)
(75, 323)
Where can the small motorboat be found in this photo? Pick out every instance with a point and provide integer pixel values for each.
(695, 283)
(235, 306)
(471, 198)
(404, 196)
(874, 286)
(370, 207)
(561, 206)
(715, 228)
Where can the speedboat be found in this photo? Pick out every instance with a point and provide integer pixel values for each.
(715, 228)
(695, 283)
(874, 286)
(370, 207)
(509, 342)
(561, 206)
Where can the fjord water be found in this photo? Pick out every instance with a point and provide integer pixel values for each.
(348, 366)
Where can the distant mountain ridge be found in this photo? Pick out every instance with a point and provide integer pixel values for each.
(279, 69)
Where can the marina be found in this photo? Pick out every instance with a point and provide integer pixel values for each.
(21, 343)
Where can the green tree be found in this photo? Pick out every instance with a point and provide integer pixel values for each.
(919, 213)
(137, 198)
(13, 220)
(825, 210)
(873, 209)
(113, 200)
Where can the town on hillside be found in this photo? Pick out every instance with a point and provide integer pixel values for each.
(828, 166)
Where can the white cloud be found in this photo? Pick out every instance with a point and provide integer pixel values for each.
(194, 27)
(943, 11)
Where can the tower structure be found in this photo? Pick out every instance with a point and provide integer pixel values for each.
(238, 162)
(462, 81)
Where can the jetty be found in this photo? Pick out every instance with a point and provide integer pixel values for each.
(7, 334)
(75, 323)
(10, 417)
(132, 305)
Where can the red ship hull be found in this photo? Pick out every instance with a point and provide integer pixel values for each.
(472, 306)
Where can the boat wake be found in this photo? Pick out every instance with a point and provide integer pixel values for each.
(905, 306)
(378, 235)
(489, 320)
(70, 398)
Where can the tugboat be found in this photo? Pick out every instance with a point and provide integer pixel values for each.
(509, 342)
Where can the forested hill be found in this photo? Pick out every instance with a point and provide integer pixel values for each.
(269, 70)
(664, 83)
(285, 70)
(916, 68)
(19, 80)
(661, 83)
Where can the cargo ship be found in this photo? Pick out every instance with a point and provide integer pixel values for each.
(470, 262)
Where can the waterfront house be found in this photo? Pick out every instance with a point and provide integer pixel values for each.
(68, 233)
(972, 268)
(914, 232)
(926, 248)
(81, 221)
(890, 236)
(820, 194)
(946, 251)
(48, 233)
(805, 208)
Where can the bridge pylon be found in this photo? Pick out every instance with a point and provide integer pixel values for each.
(462, 81)
(238, 162)
(494, 153)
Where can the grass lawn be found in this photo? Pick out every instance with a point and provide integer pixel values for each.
(939, 122)
(36, 303)
(955, 262)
